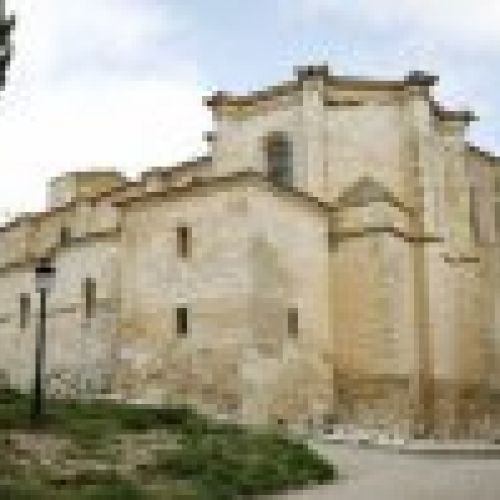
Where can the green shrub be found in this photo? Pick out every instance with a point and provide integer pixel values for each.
(18, 491)
(10, 395)
(243, 463)
(220, 460)
(117, 490)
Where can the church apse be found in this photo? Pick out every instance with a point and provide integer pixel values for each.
(320, 265)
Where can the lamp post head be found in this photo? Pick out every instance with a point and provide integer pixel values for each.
(44, 274)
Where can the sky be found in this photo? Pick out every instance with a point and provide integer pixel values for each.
(120, 83)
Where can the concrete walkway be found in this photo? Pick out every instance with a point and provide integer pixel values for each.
(378, 474)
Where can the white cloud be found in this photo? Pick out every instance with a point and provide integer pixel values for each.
(451, 21)
(91, 85)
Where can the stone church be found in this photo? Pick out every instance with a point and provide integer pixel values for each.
(333, 260)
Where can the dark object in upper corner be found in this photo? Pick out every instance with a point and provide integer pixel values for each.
(6, 27)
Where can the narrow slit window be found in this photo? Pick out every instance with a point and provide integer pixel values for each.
(184, 241)
(65, 235)
(181, 320)
(89, 296)
(293, 322)
(24, 310)
(474, 214)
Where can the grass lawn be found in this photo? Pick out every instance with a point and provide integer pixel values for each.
(101, 450)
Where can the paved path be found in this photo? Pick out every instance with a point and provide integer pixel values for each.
(374, 474)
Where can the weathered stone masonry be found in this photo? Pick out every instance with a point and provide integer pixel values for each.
(334, 260)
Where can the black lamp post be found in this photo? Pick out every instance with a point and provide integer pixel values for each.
(44, 274)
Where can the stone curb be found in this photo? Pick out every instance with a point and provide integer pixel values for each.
(429, 448)
(478, 451)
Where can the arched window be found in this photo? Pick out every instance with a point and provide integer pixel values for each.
(279, 157)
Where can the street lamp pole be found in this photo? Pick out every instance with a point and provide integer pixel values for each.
(40, 356)
(44, 273)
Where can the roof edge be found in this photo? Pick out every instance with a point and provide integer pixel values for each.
(32, 217)
(319, 72)
(487, 155)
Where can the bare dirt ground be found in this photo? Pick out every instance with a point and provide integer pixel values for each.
(373, 474)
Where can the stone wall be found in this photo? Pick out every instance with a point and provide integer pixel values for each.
(17, 341)
(373, 330)
(253, 257)
(354, 149)
(286, 374)
(213, 283)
